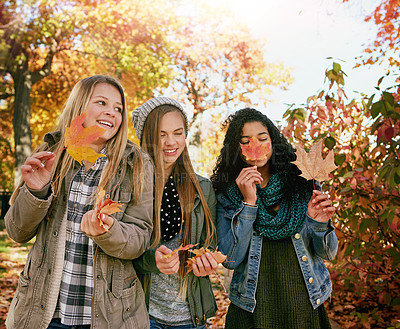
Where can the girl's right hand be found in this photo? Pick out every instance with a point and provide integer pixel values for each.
(36, 171)
(167, 265)
(246, 182)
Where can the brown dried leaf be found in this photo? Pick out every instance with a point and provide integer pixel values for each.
(312, 165)
(218, 256)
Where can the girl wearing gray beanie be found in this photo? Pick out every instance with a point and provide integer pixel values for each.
(184, 213)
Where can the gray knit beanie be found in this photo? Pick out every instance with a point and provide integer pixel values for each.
(140, 114)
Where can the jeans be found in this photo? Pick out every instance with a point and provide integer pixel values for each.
(56, 324)
(156, 325)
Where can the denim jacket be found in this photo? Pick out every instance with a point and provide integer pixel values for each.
(237, 239)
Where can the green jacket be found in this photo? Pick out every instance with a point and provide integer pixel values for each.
(118, 297)
(200, 295)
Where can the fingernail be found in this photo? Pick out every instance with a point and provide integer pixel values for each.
(42, 164)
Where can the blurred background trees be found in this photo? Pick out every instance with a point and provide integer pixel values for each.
(48, 45)
(204, 58)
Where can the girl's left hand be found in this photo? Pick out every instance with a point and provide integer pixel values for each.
(320, 207)
(205, 265)
(90, 224)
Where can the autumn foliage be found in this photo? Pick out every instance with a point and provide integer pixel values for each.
(365, 189)
(79, 138)
(386, 16)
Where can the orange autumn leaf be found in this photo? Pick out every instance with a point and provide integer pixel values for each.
(255, 150)
(312, 165)
(218, 256)
(78, 140)
(106, 206)
(180, 248)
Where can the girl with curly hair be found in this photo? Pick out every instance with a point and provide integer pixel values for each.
(275, 230)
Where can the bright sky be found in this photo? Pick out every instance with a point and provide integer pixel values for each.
(303, 33)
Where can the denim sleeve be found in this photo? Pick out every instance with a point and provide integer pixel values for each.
(323, 238)
(234, 231)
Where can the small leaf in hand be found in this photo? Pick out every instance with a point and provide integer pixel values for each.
(106, 206)
(218, 256)
(180, 248)
(78, 140)
(312, 165)
(255, 150)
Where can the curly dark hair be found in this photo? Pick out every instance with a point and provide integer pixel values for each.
(230, 163)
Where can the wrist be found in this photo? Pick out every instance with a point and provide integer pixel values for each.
(250, 204)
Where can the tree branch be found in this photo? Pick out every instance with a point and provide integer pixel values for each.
(6, 95)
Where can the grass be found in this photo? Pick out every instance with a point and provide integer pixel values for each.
(11, 252)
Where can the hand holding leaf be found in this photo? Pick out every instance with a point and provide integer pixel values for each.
(78, 140)
(180, 248)
(217, 255)
(106, 206)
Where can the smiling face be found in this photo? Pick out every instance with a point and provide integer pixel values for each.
(259, 131)
(104, 110)
(172, 138)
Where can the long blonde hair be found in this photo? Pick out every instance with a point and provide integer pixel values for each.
(185, 179)
(75, 105)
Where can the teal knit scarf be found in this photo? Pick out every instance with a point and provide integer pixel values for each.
(291, 213)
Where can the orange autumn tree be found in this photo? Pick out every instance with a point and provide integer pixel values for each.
(364, 136)
(385, 46)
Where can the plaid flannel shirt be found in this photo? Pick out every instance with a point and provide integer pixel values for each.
(76, 290)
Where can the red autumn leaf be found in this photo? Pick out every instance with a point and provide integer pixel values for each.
(180, 248)
(255, 150)
(78, 140)
(106, 206)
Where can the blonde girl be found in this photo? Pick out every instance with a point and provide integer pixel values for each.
(79, 274)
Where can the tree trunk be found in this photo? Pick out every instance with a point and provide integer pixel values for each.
(22, 121)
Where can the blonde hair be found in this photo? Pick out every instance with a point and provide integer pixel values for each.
(75, 105)
(185, 179)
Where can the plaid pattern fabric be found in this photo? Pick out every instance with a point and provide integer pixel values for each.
(75, 298)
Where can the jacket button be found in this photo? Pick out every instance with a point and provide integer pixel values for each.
(42, 306)
(297, 236)
(310, 280)
(251, 281)
(255, 257)
(128, 309)
(304, 258)
(97, 315)
(55, 233)
(318, 301)
(99, 276)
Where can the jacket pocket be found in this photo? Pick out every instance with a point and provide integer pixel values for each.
(132, 305)
(18, 307)
(124, 199)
